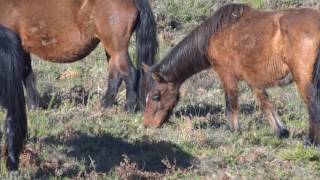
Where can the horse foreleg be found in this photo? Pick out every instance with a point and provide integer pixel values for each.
(232, 109)
(231, 99)
(29, 81)
(271, 113)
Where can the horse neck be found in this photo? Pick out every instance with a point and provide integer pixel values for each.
(190, 56)
(184, 61)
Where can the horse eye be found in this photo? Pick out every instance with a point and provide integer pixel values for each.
(156, 98)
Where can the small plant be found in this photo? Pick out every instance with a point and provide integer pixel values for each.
(301, 153)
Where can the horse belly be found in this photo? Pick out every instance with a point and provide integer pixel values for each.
(268, 74)
(62, 47)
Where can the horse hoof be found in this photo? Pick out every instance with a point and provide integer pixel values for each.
(309, 142)
(12, 166)
(131, 107)
(235, 129)
(105, 104)
(283, 133)
(14, 175)
(36, 105)
(33, 107)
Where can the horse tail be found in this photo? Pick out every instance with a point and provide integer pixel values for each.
(12, 95)
(316, 73)
(146, 44)
(146, 34)
(316, 88)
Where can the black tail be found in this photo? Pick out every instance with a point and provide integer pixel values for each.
(314, 106)
(146, 32)
(12, 95)
(316, 73)
(147, 44)
(316, 84)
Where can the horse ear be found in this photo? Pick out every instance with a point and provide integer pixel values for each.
(158, 77)
(145, 67)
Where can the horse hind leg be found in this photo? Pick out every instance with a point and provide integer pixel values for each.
(309, 92)
(305, 69)
(114, 82)
(121, 68)
(29, 80)
(311, 98)
(130, 79)
(271, 113)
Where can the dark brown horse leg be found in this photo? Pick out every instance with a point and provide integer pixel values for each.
(232, 109)
(30, 84)
(121, 68)
(114, 82)
(231, 99)
(307, 78)
(307, 91)
(271, 113)
(131, 82)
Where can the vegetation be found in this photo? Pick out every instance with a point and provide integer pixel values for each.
(74, 139)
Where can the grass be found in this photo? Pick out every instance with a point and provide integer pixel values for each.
(256, 3)
(73, 139)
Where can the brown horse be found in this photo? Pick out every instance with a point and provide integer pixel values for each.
(240, 43)
(68, 30)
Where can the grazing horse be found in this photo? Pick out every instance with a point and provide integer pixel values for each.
(240, 43)
(12, 66)
(68, 30)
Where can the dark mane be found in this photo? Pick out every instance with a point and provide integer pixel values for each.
(190, 55)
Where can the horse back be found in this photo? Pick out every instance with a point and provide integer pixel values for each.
(265, 42)
(64, 30)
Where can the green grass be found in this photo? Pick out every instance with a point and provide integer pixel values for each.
(181, 9)
(256, 3)
(301, 154)
(71, 140)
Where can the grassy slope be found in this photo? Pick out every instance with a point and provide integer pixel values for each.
(73, 140)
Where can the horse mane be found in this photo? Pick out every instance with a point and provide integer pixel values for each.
(190, 55)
